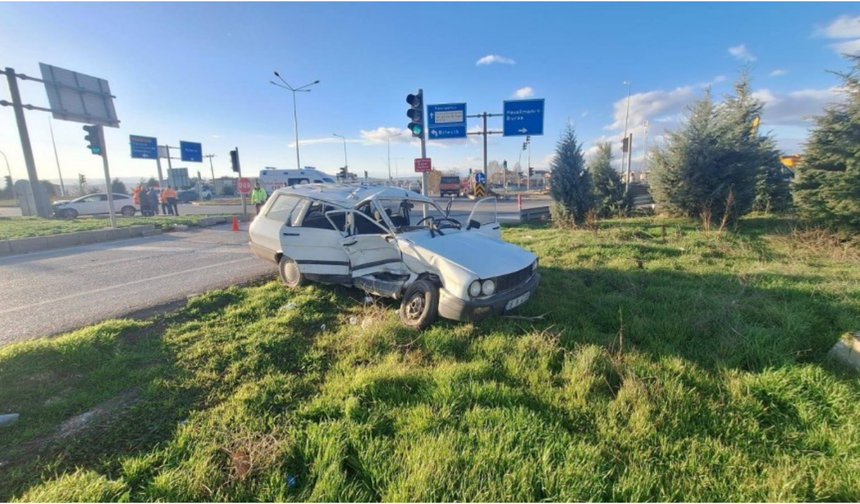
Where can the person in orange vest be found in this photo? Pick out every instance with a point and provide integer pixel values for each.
(166, 209)
(136, 194)
(169, 195)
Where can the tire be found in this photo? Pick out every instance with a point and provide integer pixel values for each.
(69, 213)
(291, 275)
(128, 211)
(420, 305)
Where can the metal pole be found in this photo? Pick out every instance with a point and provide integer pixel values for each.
(645, 154)
(629, 156)
(484, 116)
(160, 177)
(40, 203)
(107, 176)
(528, 173)
(296, 123)
(424, 177)
(244, 203)
(62, 184)
(345, 162)
(629, 147)
(211, 168)
(389, 158)
(11, 182)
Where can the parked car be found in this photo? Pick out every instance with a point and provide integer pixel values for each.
(95, 204)
(449, 185)
(395, 243)
(187, 196)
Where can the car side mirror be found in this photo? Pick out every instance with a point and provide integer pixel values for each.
(473, 224)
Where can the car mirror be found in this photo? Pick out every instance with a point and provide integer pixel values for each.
(473, 224)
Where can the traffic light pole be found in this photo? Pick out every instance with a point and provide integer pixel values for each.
(109, 189)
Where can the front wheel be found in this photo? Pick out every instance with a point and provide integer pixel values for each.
(420, 304)
(291, 275)
(69, 213)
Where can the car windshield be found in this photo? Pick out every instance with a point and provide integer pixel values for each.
(406, 214)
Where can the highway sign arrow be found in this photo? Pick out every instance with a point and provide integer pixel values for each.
(523, 130)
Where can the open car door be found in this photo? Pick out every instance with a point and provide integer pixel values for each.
(484, 218)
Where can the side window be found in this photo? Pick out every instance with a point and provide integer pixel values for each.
(296, 181)
(366, 225)
(315, 216)
(284, 209)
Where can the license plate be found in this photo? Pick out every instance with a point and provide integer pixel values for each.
(513, 303)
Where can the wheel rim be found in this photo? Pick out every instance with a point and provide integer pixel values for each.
(415, 307)
(291, 272)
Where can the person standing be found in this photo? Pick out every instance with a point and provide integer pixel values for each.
(153, 201)
(170, 196)
(143, 198)
(258, 197)
(165, 206)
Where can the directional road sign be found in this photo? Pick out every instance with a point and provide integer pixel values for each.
(446, 120)
(143, 147)
(191, 151)
(524, 117)
(480, 178)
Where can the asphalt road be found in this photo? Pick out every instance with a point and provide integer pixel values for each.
(51, 292)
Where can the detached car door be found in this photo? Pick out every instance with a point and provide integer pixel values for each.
(484, 219)
(370, 247)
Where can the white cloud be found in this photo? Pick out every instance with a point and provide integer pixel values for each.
(849, 47)
(842, 27)
(651, 104)
(718, 79)
(584, 114)
(779, 72)
(495, 58)
(845, 28)
(741, 53)
(524, 92)
(794, 108)
(381, 134)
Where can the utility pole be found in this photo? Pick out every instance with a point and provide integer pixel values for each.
(629, 156)
(645, 154)
(211, 168)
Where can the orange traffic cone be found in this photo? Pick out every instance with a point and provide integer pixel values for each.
(235, 223)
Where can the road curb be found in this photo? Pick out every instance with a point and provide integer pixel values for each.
(40, 243)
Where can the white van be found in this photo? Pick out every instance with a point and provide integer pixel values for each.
(273, 178)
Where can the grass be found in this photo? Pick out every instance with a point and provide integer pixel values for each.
(12, 228)
(673, 365)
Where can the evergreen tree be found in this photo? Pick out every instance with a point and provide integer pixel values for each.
(772, 187)
(7, 188)
(117, 187)
(827, 182)
(570, 185)
(610, 198)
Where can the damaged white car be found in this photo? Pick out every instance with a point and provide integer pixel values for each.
(395, 243)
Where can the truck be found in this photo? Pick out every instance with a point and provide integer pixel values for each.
(273, 178)
(449, 186)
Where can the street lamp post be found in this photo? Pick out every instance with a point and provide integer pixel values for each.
(345, 163)
(295, 114)
(388, 138)
(626, 117)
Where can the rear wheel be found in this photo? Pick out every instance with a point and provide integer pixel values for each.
(127, 211)
(291, 275)
(420, 304)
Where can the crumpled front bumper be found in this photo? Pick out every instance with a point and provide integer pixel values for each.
(452, 307)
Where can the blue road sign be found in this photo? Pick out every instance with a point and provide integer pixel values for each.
(446, 120)
(143, 147)
(480, 177)
(191, 151)
(524, 117)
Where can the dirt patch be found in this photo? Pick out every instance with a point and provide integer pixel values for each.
(101, 412)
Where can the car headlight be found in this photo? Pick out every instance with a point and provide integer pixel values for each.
(534, 266)
(475, 288)
(488, 287)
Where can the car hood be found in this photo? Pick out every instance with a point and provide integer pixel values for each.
(60, 202)
(484, 256)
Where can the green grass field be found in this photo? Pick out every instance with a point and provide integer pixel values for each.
(12, 228)
(671, 365)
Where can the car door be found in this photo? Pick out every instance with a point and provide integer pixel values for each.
(313, 241)
(484, 218)
(93, 204)
(370, 247)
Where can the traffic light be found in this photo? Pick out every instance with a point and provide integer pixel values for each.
(624, 144)
(525, 145)
(94, 139)
(234, 160)
(82, 179)
(416, 113)
(343, 174)
(531, 171)
(505, 164)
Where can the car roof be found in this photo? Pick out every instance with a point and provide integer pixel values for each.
(350, 195)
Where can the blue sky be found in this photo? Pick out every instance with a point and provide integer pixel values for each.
(201, 71)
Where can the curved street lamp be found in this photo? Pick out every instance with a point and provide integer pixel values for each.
(295, 115)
